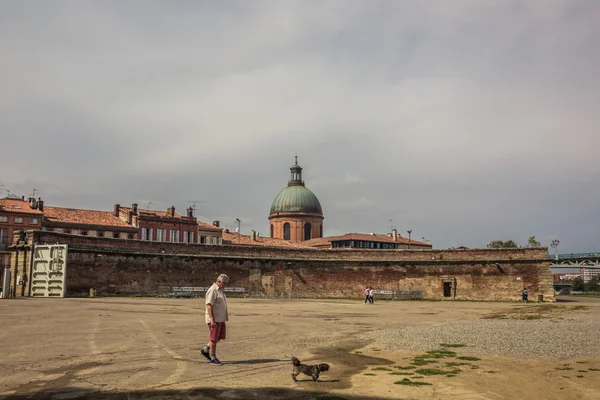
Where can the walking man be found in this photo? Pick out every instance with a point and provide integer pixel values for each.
(525, 295)
(366, 293)
(215, 316)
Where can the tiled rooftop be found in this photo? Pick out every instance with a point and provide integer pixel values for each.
(236, 238)
(83, 217)
(17, 206)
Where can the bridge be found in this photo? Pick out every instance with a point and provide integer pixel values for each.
(586, 264)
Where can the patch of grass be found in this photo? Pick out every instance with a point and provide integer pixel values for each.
(581, 362)
(401, 373)
(418, 377)
(431, 371)
(579, 308)
(369, 374)
(358, 352)
(381, 369)
(563, 368)
(528, 317)
(441, 353)
(582, 370)
(469, 358)
(492, 372)
(408, 382)
(407, 367)
(453, 345)
(580, 376)
(593, 369)
(474, 366)
(450, 375)
(456, 364)
(420, 361)
(376, 349)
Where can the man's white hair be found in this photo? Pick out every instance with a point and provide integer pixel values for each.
(223, 278)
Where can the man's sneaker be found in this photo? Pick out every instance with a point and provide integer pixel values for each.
(215, 361)
(204, 352)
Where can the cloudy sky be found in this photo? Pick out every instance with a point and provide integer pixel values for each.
(464, 121)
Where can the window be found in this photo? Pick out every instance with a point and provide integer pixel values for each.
(214, 240)
(100, 234)
(3, 218)
(286, 231)
(130, 236)
(18, 220)
(146, 233)
(188, 237)
(3, 236)
(174, 236)
(307, 231)
(161, 235)
(84, 233)
(115, 235)
(33, 221)
(272, 231)
(67, 231)
(320, 230)
(202, 239)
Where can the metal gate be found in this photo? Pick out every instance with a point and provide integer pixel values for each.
(49, 270)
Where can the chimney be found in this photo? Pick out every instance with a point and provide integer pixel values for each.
(116, 210)
(190, 212)
(428, 241)
(129, 217)
(40, 204)
(171, 211)
(23, 198)
(134, 208)
(32, 203)
(216, 223)
(395, 234)
(226, 230)
(253, 235)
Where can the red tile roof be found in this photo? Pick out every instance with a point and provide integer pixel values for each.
(77, 216)
(366, 237)
(17, 206)
(236, 238)
(208, 227)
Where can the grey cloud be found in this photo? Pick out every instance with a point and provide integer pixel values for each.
(465, 121)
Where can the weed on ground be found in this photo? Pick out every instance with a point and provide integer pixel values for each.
(408, 382)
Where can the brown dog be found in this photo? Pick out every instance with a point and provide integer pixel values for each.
(310, 370)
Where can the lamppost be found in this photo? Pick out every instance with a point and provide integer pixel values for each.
(409, 232)
(554, 245)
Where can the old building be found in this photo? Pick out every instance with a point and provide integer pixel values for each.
(375, 241)
(168, 226)
(296, 213)
(17, 214)
(76, 221)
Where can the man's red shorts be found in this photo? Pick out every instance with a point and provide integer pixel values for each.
(218, 332)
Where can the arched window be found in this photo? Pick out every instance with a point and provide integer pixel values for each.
(320, 230)
(286, 231)
(272, 231)
(307, 231)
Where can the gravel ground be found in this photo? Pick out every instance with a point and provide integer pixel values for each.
(576, 335)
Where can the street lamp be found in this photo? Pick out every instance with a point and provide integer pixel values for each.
(409, 232)
(554, 245)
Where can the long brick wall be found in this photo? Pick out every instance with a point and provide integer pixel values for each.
(133, 267)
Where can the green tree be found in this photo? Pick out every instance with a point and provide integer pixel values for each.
(499, 244)
(593, 284)
(578, 285)
(532, 242)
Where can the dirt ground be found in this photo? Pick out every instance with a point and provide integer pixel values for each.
(146, 348)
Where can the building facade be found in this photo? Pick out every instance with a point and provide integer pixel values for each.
(76, 221)
(17, 214)
(296, 212)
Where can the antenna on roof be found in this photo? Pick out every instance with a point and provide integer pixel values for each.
(149, 204)
(194, 205)
(33, 194)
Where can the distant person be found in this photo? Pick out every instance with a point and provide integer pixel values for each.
(215, 316)
(525, 295)
(367, 295)
(371, 293)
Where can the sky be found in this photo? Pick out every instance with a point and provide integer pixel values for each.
(462, 121)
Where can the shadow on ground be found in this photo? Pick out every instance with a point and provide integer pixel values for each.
(191, 394)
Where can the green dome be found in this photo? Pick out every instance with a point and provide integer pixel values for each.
(296, 198)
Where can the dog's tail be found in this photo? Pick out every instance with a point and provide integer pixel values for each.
(295, 362)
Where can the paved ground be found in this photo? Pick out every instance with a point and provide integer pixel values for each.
(126, 348)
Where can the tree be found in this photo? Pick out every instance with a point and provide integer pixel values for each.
(578, 285)
(499, 244)
(532, 242)
(593, 284)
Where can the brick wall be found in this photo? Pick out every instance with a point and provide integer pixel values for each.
(133, 267)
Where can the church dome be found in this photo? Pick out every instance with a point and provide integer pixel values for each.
(296, 197)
